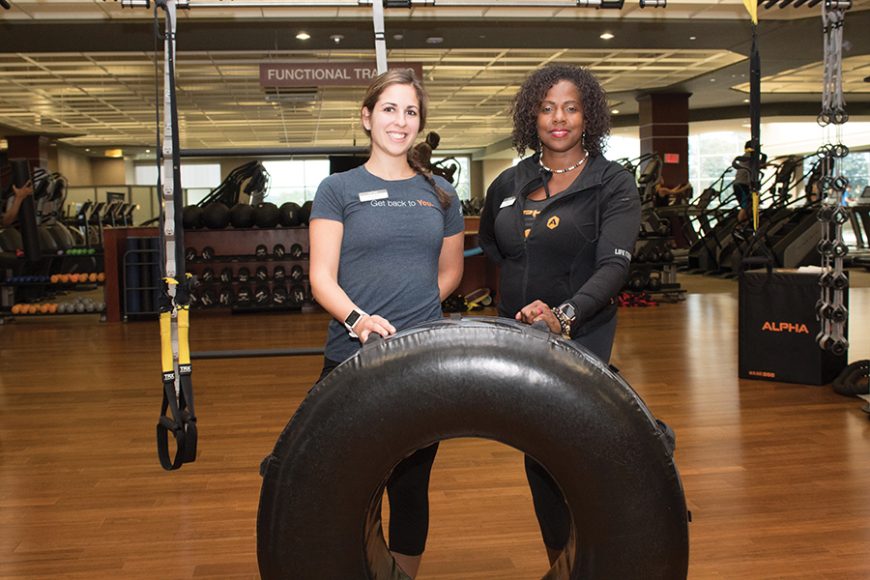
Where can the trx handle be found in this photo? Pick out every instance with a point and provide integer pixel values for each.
(181, 420)
(182, 424)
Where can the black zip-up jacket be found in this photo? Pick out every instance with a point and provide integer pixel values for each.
(579, 248)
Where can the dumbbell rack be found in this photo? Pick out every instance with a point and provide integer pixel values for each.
(235, 248)
(665, 270)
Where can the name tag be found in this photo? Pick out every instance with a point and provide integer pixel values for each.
(507, 202)
(373, 195)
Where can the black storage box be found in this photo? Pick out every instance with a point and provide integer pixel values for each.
(778, 328)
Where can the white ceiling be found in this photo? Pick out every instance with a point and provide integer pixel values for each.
(105, 98)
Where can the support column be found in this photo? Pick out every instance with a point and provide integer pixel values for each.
(33, 148)
(664, 129)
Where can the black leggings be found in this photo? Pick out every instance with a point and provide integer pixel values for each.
(550, 507)
(408, 493)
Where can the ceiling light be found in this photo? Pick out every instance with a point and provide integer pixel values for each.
(606, 36)
(147, 151)
(4, 144)
(336, 38)
(434, 40)
(87, 150)
(745, 100)
(693, 38)
(303, 36)
(398, 36)
(114, 153)
(614, 111)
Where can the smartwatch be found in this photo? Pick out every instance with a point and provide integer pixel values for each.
(352, 319)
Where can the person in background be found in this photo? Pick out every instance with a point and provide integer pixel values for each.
(13, 204)
(562, 225)
(386, 249)
(742, 186)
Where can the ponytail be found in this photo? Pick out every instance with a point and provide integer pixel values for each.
(445, 198)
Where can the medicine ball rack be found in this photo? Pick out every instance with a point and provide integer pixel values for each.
(239, 246)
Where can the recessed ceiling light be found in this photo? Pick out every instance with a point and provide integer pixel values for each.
(745, 100)
(336, 38)
(693, 38)
(434, 40)
(712, 80)
(606, 36)
(398, 36)
(303, 36)
(614, 111)
(147, 151)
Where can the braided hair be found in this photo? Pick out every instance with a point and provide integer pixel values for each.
(406, 77)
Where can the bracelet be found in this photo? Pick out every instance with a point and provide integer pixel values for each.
(564, 323)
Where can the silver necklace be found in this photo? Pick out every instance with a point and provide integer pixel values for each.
(560, 171)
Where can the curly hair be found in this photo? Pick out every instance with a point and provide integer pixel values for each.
(527, 103)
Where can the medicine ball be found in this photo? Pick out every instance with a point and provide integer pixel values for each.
(279, 274)
(244, 274)
(216, 216)
(226, 297)
(242, 216)
(191, 217)
(279, 295)
(262, 295)
(297, 295)
(305, 212)
(266, 215)
(637, 282)
(208, 298)
(288, 214)
(244, 296)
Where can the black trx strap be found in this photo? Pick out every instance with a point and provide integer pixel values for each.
(174, 305)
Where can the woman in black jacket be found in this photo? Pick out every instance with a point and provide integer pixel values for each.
(561, 225)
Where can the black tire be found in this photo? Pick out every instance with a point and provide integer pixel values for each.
(319, 514)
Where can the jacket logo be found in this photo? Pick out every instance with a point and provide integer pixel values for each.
(796, 328)
(553, 222)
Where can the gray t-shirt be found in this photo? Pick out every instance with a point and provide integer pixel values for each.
(393, 233)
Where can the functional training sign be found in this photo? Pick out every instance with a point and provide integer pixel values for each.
(276, 74)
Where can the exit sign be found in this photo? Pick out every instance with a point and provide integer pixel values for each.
(672, 158)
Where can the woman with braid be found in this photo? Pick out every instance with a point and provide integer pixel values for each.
(386, 249)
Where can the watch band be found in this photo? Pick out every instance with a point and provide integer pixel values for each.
(352, 318)
(566, 314)
(564, 322)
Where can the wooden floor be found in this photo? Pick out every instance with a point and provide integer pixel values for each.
(777, 475)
